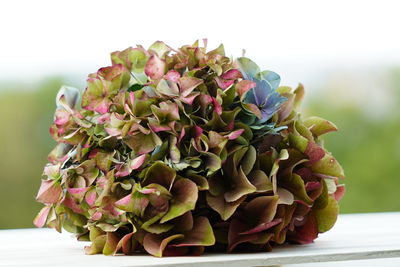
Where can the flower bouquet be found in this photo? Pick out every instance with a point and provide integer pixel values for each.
(177, 152)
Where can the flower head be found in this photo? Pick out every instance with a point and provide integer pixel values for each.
(174, 152)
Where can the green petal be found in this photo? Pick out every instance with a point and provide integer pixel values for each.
(111, 244)
(260, 180)
(201, 234)
(184, 199)
(242, 187)
(327, 216)
(225, 209)
(319, 126)
(161, 174)
(154, 244)
(248, 160)
(328, 165)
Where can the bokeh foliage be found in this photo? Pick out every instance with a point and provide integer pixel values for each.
(368, 148)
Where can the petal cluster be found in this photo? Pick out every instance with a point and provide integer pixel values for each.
(177, 152)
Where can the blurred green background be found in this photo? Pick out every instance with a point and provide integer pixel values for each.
(363, 106)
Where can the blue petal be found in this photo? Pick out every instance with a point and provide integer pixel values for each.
(262, 90)
(273, 78)
(250, 97)
(259, 94)
(273, 103)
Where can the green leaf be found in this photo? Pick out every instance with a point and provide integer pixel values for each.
(135, 87)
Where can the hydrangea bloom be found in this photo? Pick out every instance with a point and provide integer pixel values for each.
(177, 152)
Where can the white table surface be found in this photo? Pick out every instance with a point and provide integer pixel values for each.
(354, 237)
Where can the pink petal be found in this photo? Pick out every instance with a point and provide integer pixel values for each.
(70, 203)
(224, 84)
(124, 201)
(102, 107)
(262, 227)
(198, 131)
(159, 128)
(40, 219)
(137, 162)
(77, 190)
(103, 118)
(310, 186)
(232, 74)
(96, 216)
(93, 153)
(235, 134)
(339, 193)
(243, 86)
(147, 191)
(188, 84)
(91, 197)
(314, 152)
(217, 106)
(190, 98)
(172, 76)
(183, 132)
(49, 191)
(155, 67)
(61, 117)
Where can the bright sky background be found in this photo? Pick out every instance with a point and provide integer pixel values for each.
(297, 39)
